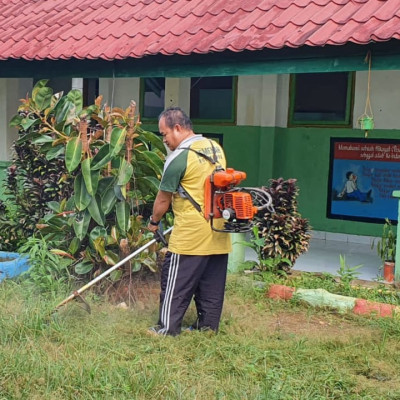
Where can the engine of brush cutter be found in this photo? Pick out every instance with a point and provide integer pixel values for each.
(235, 205)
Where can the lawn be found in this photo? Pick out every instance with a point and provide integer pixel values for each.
(266, 349)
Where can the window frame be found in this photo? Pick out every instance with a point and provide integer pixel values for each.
(220, 121)
(142, 85)
(346, 123)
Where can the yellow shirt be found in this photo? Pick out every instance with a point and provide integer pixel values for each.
(192, 233)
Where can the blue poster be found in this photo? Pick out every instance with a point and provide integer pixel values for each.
(362, 177)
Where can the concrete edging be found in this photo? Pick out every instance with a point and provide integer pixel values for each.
(322, 298)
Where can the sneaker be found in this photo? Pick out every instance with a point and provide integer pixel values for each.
(188, 329)
(155, 331)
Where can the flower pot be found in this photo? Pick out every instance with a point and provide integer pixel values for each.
(388, 271)
(366, 123)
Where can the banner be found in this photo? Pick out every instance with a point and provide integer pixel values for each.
(363, 173)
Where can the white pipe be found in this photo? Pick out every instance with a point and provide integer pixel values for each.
(105, 273)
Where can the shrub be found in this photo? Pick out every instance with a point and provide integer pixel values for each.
(84, 178)
(285, 233)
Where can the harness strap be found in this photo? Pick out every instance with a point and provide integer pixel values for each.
(213, 161)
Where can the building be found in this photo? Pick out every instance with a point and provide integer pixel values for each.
(275, 81)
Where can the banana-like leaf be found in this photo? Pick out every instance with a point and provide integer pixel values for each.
(73, 153)
(91, 178)
(123, 212)
(81, 224)
(62, 111)
(82, 197)
(55, 99)
(97, 232)
(141, 168)
(16, 120)
(74, 245)
(99, 246)
(125, 172)
(120, 192)
(75, 96)
(26, 123)
(27, 137)
(54, 152)
(151, 264)
(42, 139)
(116, 275)
(113, 238)
(110, 257)
(95, 210)
(152, 138)
(54, 206)
(123, 191)
(83, 267)
(147, 184)
(153, 160)
(101, 158)
(136, 266)
(61, 253)
(104, 183)
(40, 84)
(42, 97)
(117, 141)
(108, 200)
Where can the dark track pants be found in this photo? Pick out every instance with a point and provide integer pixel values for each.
(183, 277)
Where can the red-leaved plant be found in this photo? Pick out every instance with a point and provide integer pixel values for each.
(286, 234)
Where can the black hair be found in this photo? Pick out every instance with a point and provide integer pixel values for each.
(175, 115)
(348, 174)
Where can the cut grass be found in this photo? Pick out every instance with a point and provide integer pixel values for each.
(265, 349)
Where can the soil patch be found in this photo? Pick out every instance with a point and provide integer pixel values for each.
(139, 290)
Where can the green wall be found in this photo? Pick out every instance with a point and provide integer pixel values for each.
(247, 148)
(301, 153)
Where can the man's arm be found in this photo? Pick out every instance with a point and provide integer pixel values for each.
(160, 207)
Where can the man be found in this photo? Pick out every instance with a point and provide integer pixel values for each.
(197, 257)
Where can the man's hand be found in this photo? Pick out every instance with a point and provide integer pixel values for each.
(152, 226)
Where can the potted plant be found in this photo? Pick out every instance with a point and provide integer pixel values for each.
(386, 248)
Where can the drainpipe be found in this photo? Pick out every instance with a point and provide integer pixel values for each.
(396, 193)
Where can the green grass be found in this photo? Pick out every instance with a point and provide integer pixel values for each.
(265, 349)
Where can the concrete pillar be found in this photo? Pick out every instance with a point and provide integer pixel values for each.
(77, 84)
(119, 92)
(177, 93)
(11, 90)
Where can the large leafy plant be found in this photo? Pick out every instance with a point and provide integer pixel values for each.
(285, 234)
(108, 174)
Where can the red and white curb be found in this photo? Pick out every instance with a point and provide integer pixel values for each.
(322, 298)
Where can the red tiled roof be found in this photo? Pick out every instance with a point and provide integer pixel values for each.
(118, 29)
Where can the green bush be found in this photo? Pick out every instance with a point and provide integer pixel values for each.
(84, 178)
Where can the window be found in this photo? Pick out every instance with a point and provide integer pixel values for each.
(321, 99)
(213, 98)
(90, 89)
(152, 97)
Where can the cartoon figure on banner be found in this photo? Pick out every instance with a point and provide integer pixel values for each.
(352, 192)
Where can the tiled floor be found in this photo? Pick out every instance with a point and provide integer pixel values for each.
(323, 256)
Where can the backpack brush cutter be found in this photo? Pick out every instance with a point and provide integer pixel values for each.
(222, 199)
(236, 205)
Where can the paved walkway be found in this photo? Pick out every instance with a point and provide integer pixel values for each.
(323, 256)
